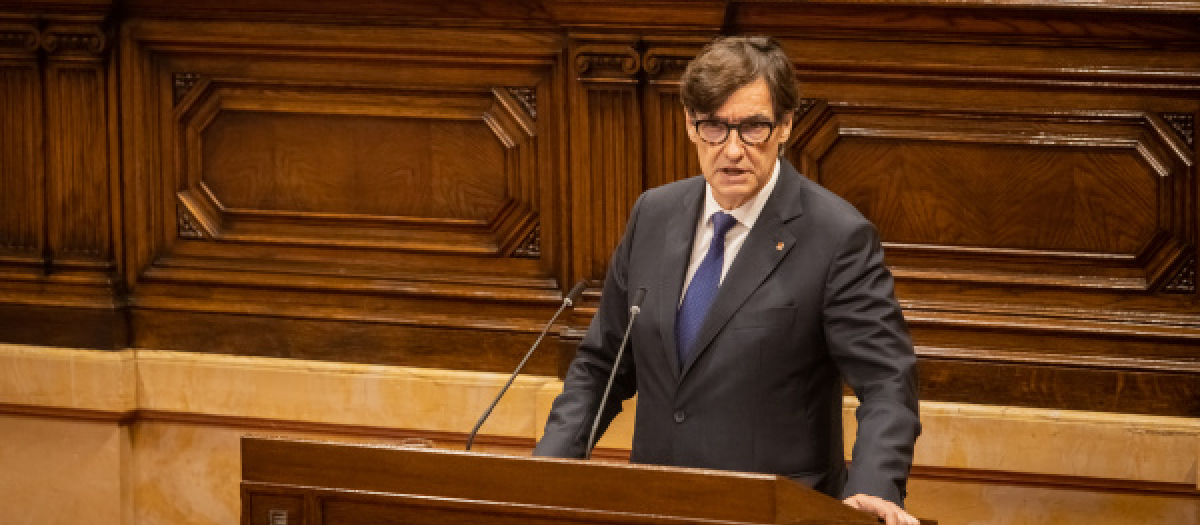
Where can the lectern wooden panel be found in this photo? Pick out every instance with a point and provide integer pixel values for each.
(287, 482)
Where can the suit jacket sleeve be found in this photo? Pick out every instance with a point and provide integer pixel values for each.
(869, 342)
(571, 416)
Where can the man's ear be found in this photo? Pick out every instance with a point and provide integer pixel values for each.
(785, 126)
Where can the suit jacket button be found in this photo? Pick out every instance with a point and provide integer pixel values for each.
(680, 416)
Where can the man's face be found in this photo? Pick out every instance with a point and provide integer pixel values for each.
(737, 170)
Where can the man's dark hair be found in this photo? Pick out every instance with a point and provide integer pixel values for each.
(728, 63)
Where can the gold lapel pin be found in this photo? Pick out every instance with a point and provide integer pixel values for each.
(779, 247)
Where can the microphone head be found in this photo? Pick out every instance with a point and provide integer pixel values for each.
(575, 292)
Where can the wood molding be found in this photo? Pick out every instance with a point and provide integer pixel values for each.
(19, 36)
(22, 199)
(59, 229)
(1184, 124)
(74, 37)
(80, 187)
(527, 96)
(670, 155)
(118, 417)
(419, 13)
(131, 417)
(1110, 23)
(604, 62)
(80, 318)
(885, 134)
(1184, 281)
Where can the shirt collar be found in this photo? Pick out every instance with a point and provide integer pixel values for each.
(746, 214)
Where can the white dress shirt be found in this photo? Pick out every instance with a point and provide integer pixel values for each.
(746, 215)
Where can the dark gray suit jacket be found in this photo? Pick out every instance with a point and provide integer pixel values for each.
(806, 303)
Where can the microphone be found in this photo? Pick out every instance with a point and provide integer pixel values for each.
(568, 301)
(635, 308)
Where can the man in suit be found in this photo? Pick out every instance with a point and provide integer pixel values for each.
(763, 292)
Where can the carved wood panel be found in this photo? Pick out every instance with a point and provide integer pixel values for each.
(21, 174)
(77, 169)
(670, 155)
(428, 171)
(1035, 213)
(1073, 200)
(57, 243)
(398, 196)
(606, 145)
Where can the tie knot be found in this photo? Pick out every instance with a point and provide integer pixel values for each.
(722, 222)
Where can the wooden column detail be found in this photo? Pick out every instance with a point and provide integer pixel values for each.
(606, 148)
(80, 194)
(670, 155)
(22, 186)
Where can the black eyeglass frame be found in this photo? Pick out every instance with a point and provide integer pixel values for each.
(729, 126)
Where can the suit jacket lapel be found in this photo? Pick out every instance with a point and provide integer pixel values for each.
(677, 253)
(766, 245)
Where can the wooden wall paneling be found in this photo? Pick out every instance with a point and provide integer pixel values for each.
(394, 336)
(1035, 202)
(606, 147)
(359, 193)
(141, 231)
(57, 248)
(1032, 168)
(553, 124)
(22, 185)
(511, 118)
(1068, 200)
(638, 17)
(1168, 24)
(77, 166)
(1072, 385)
(670, 155)
(491, 14)
(249, 168)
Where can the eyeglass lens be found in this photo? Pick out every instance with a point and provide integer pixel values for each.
(716, 131)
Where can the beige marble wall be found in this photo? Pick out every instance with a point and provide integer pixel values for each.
(58, 377)
(1118, 446)
(186, 474)
(169, 469)
(61, 472)
(338, 393)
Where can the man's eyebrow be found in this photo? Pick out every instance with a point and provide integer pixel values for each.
(750, 116)
(757, 117)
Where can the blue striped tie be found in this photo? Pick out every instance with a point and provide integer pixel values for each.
(702, 290)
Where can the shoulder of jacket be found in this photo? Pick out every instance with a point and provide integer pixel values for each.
(830, 209)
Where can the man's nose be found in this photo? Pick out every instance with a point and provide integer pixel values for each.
(734, 148)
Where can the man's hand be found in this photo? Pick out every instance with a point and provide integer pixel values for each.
(888, 512)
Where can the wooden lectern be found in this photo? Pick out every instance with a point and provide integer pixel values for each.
(289, 482)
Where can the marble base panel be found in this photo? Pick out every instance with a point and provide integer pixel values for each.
(63, 472)
(335, 393)
(160, 443)
(78, 379)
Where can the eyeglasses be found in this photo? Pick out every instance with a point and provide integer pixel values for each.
(716, 132)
